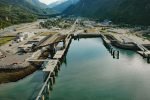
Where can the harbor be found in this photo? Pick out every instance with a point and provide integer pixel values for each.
(74, 49)
(69, 77)
(76, 59)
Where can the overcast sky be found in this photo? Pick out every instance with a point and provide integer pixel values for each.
(48, 1)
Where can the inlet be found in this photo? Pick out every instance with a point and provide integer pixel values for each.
(88, 72)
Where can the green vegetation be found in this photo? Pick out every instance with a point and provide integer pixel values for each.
(20, 11)
(59, 23)
(4, 40)
(147, 36)
(119, 11)
(14, 15)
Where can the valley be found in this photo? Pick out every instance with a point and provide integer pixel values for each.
(74, 49)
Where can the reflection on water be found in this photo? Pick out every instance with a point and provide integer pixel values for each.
(89, 72)
(93, 74)
(25, 89)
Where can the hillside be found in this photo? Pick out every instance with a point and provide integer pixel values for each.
(62, 5)
(119, 11)
(19, 11)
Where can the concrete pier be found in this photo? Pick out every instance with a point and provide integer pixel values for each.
(107, 43)
(52, 67)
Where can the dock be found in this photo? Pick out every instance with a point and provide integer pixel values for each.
(52, 67)
(34, 56)
(107, 43)
(143, 51)
(59, 54)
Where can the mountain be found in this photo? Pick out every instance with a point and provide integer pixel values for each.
(36, 7)
(62, 4)
(19, 11)
(37, 3)
(119, 11)
(56, 3)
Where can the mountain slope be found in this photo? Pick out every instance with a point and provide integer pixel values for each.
(37, 3)
(64, 4)
(120, 11)
(19, 11)
(56, 3)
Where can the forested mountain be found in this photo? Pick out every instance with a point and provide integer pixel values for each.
(64, 4)
(19, 11)
(119, 11)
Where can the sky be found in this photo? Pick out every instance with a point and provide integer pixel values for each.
(48, 1)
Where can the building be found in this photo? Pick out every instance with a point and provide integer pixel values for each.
(24, 35)
(28, 46)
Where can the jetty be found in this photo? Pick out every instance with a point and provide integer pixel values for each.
(143, 51)
(52, 67)
(107, 43)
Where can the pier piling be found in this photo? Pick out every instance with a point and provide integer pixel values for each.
(148, 58)
(48, 88)
(118, 54)
(51, 81)
(43, 97)
(114, 54)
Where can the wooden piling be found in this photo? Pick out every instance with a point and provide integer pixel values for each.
(48, 88)
(148, 58)
(56, 71)
(114, 54)
(53, 77)
(51, 81)
(43, 97)
(117, 54)
(64, 43)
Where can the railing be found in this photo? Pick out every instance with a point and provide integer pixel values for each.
(39, 97)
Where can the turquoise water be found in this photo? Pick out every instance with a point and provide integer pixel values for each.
(90, 73)
(25, 89)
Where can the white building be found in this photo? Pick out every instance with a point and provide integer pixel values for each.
(24, 35)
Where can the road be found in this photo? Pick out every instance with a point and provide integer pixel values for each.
(72, 29)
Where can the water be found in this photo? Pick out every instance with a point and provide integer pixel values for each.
(25, 89)
(90, 73)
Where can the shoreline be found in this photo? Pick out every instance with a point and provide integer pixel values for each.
(114, 41)
(6, 77)
(9, 75)
(120, 45)
(12, 75)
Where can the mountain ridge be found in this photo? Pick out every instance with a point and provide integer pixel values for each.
(119, 11)
(20, 11)
(63, 5)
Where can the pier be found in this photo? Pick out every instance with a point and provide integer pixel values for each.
(107, 43)
(140, 48)
(52, 67)
(144, 52)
